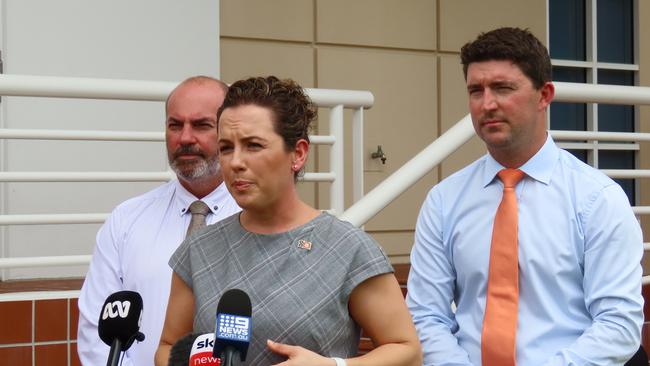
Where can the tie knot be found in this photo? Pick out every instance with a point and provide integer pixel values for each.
(199, 207)
(510, 177)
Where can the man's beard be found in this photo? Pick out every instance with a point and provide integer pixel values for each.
(199, 168)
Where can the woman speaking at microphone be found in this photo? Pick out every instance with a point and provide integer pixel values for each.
(313, 280)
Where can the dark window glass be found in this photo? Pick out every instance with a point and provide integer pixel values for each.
(615, 31)
(567, 29)
(615, 118)
(619, 159)
(569, 116)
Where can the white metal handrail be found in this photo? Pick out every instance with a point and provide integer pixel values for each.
(121, 177)
(52, 219)
(641, 210)
(49, 261)
(626, 173)
(86, 176)
(601, 93)
(94, 135)
(76, 135)
(85, 88)
(93, 88)
(600, 136)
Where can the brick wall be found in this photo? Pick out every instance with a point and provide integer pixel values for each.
(39, 332)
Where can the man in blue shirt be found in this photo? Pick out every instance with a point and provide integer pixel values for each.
(579, 243)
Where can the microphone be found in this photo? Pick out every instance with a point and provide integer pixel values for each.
(119, 323)
(202, 351)
(197, 348)
(233, 330)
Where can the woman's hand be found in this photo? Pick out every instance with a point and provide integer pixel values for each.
(298, 356)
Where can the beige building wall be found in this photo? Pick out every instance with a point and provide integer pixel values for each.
(406, 53)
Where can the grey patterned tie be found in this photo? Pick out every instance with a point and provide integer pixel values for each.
(199, 211)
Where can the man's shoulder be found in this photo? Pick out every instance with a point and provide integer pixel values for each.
(583, 174)
(459, 180)
(163, 192)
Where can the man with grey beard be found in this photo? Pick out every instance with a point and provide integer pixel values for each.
(136, 241)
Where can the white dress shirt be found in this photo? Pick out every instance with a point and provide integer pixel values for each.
(133, 248)
(579, 248)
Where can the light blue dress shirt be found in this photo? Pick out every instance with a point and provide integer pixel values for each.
(580, 247)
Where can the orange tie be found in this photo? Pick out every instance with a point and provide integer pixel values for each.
(500, 320)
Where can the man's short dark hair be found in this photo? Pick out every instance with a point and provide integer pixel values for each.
(513, 44)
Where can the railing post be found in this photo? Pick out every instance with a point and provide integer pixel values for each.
(337, 164)
(357, 154)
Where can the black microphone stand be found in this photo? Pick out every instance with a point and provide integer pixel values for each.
(114, 354)
(230, 357)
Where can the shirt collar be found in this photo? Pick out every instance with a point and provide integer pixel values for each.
(540, 167)
(184, 198)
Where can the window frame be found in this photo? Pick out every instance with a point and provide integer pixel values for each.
(592, 66)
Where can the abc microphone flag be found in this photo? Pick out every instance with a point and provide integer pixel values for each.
(119, 322)
(233, 330)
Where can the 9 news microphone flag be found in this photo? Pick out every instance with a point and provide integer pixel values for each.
(119, 323)
(233, 330)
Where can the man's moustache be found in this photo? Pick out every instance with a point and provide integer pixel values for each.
(188, 150)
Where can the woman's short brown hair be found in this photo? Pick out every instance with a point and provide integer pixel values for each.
(291, 108)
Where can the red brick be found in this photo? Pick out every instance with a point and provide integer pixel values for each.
(74, 356)
(51, 320)
(402, 272)
(365, 345)
(16, 356)
(645, 330)
(51, 355)
(15, 322)
(645, 336)
(74, 319)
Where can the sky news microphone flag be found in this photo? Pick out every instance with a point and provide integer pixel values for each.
(202, 351)
(233, 329)
(193, 349)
